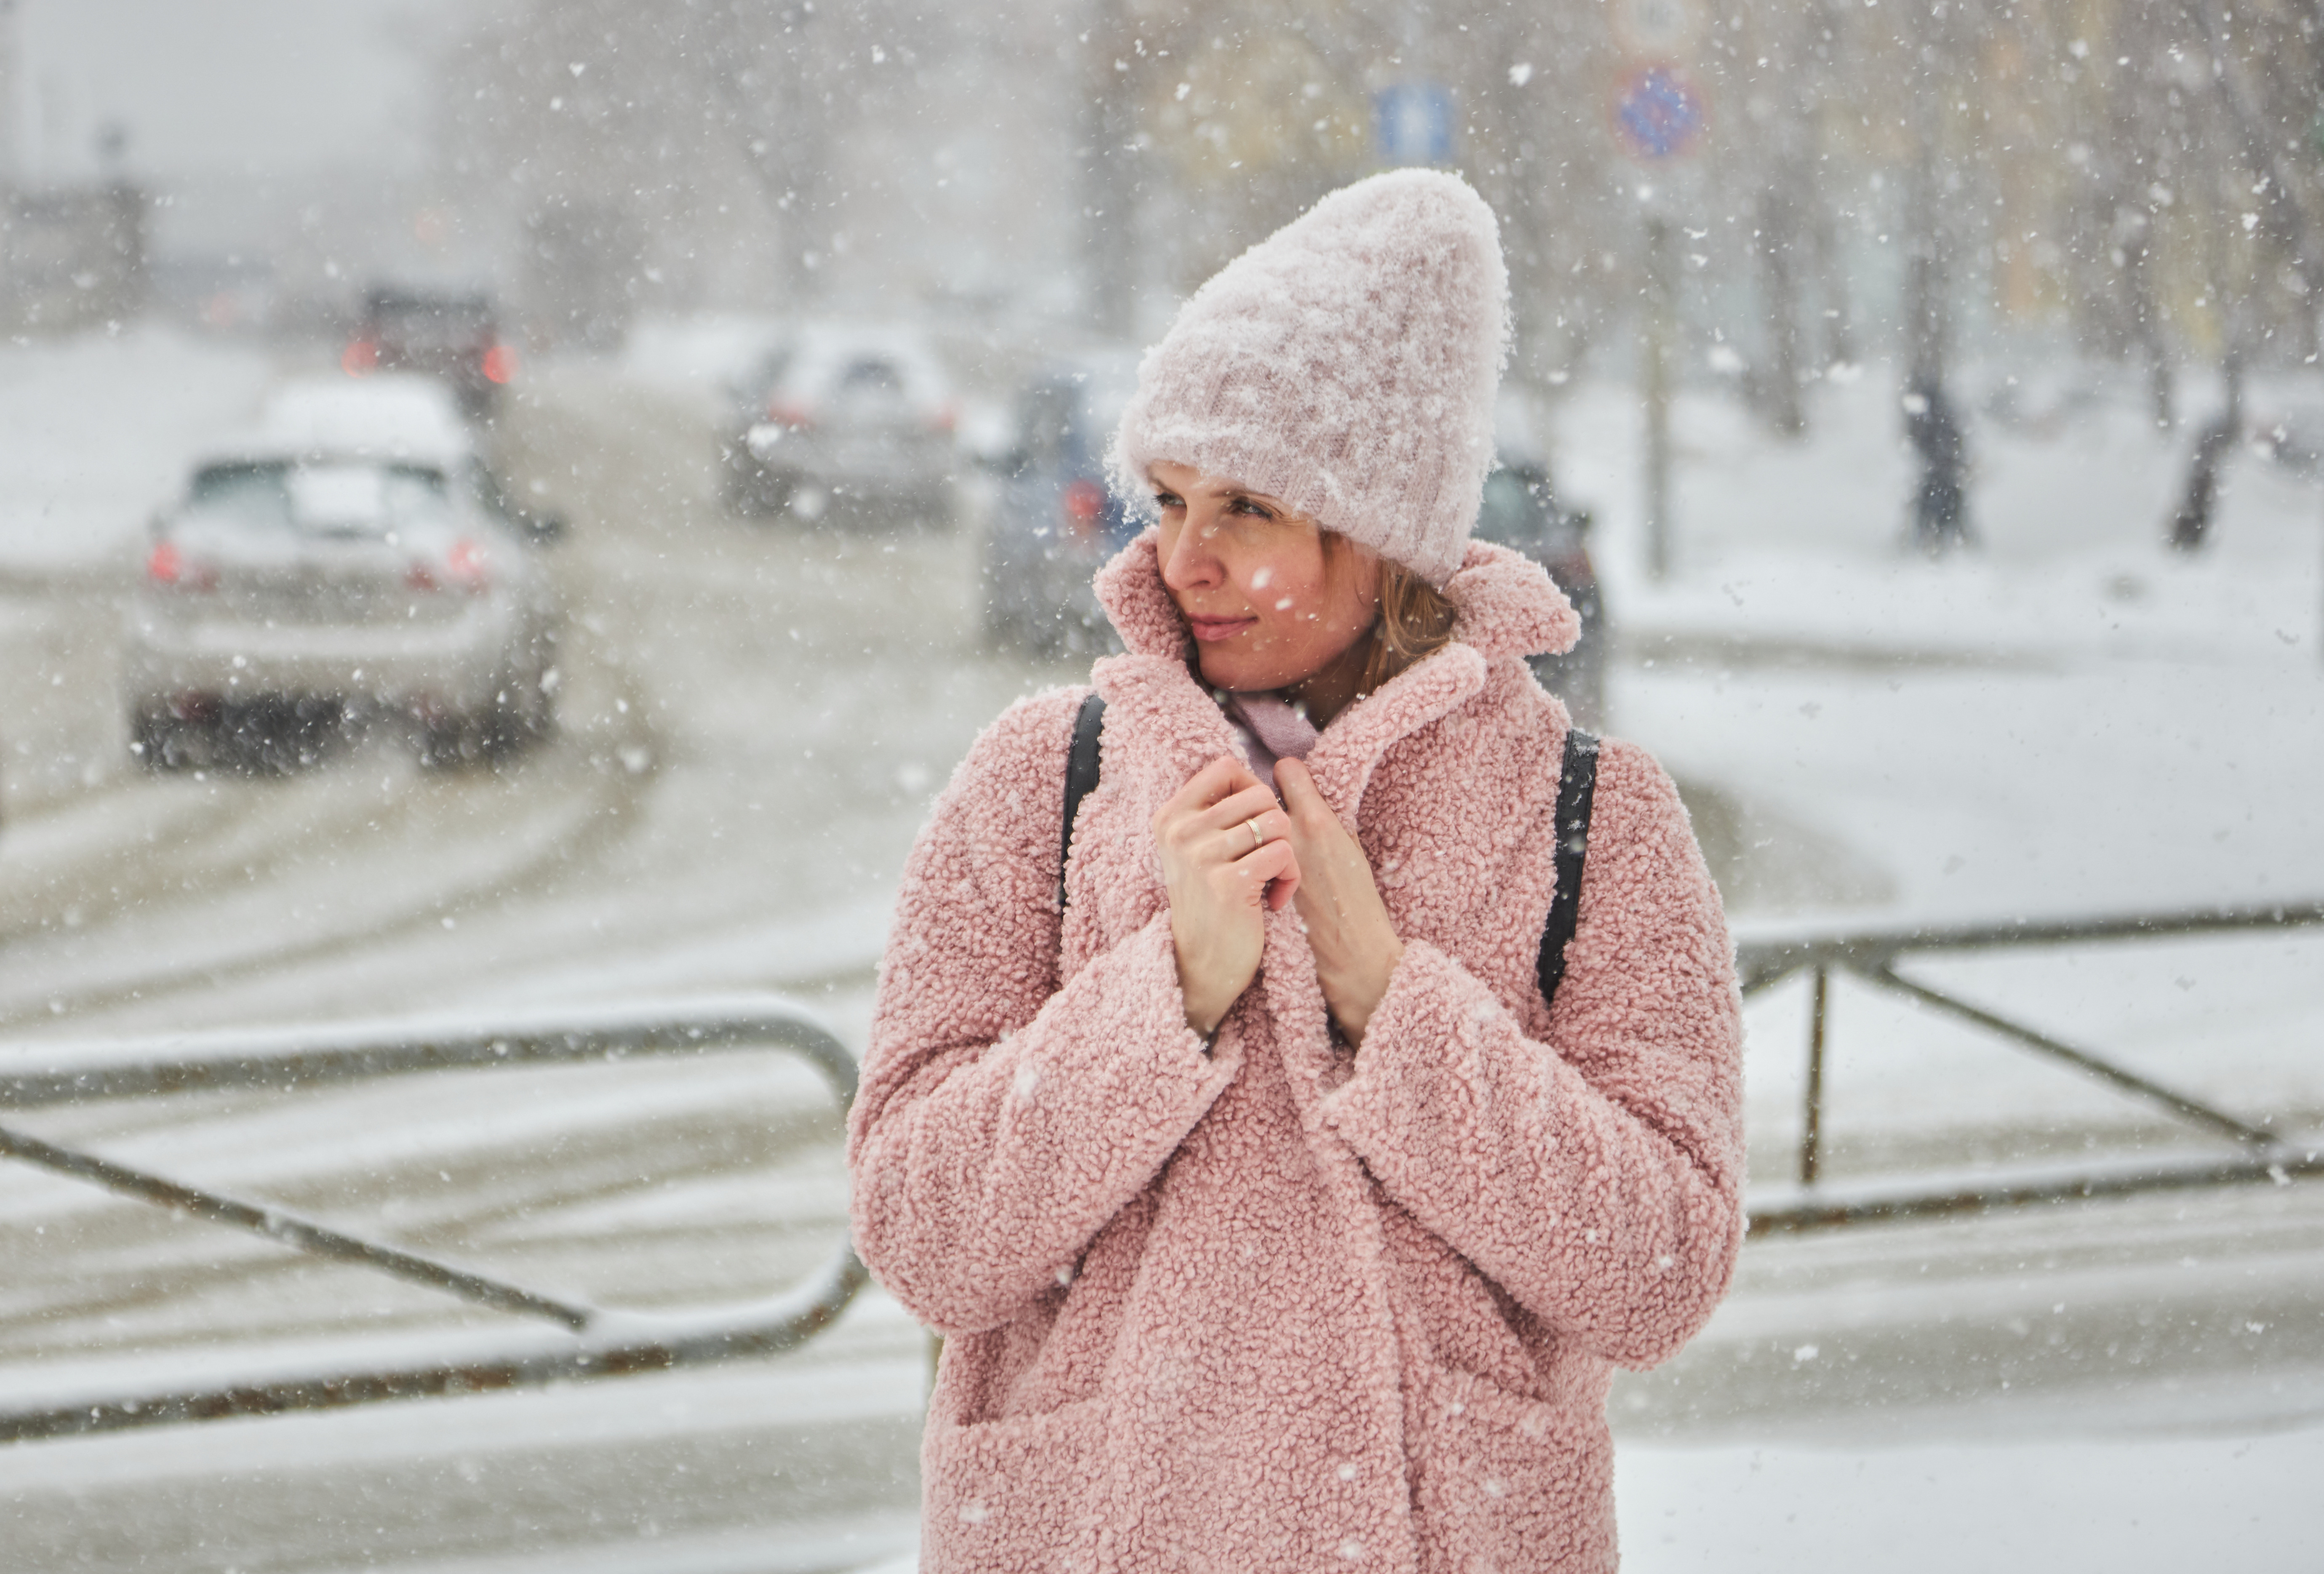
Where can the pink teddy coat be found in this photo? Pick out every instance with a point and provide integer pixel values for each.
(1279, 1306)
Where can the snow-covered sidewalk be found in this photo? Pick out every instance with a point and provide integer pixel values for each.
(2069, 721)
(2084, 1505)
(98, 432)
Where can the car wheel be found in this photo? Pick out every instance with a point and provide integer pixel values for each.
(522, 715)
(450, 743)
(162, 743)
(751, 493)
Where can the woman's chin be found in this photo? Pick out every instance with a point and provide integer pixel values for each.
(1222, 670)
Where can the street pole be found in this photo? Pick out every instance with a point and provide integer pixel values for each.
(1658, 118)
(1658, 329)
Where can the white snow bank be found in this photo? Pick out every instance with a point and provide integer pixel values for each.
(2125, 1506)
(1776, 543)
(96, 433)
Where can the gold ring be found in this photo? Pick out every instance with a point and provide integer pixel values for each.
(1258, 836)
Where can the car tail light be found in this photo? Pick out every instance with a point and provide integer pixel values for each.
(1084, 509)
(785, 413)
(464, 566)
(167, 564)
(469, 567)
(945, 418)
(500, 364)
(361, 356)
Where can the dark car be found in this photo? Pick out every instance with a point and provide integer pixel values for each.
(1056, 521)
(450, 336)
(1521, 511)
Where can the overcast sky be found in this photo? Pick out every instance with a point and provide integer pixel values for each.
(206, 88)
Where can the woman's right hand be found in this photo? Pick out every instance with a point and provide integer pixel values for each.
(1222, 880)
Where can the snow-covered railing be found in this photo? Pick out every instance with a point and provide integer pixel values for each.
(1768, 954)
(587, 1341)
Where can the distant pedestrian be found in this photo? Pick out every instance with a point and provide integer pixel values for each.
(1276, 1220)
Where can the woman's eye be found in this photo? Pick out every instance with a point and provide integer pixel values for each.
(1166, 501)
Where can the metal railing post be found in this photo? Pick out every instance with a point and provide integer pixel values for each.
(2271, 1155)
(1811, 1111)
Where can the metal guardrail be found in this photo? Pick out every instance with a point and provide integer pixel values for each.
(1766, 956)
(593, 1341)
(587, 1341)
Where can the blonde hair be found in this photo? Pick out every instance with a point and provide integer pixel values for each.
(1413, 622)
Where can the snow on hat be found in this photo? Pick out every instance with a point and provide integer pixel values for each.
(1345, 365)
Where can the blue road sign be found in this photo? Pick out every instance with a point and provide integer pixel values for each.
(1412, 124)
(1657, 112)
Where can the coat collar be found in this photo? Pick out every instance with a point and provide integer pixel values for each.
(1506, 607)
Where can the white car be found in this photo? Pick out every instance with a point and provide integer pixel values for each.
(353, 556)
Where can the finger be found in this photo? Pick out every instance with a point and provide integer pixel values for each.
(1310, 816)
(1298, 789)
(1223, 778)
(1272, 871)
(1215, 783)
(1279, 894)
(1254, 823)
(1236, 807)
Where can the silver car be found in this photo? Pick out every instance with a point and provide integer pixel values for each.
(309, 576)
(853, 420)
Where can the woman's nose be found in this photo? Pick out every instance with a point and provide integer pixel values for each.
(1190, 563)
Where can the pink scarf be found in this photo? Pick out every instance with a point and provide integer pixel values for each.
(1270, 728)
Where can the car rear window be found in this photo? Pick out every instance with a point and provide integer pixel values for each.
(434, 320)
(875, 378)
(335, 500)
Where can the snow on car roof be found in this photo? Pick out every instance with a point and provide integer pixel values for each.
(820, 351)
(390, 415)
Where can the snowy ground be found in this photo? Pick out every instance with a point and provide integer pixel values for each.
(98, 431)
(2069, 720)
(2072, 720)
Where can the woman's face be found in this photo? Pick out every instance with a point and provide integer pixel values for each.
(1251, 579)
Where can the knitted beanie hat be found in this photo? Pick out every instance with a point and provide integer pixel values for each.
(1345, 365)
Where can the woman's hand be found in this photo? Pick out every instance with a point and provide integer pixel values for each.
(1221, 877)
(1355, 945)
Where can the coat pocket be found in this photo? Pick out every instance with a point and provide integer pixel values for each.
(1513, 1485)
(1012, 1495)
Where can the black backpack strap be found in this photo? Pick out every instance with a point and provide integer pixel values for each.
(1577, 785)
(1080, 775)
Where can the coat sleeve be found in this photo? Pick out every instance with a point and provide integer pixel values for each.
(1002, 1119)
(1596, 1178)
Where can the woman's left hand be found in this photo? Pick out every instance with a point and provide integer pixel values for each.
(1348, 928)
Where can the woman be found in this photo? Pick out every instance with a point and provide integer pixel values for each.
(1275, 1220)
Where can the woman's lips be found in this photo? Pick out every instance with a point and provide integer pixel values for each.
(1211, 630)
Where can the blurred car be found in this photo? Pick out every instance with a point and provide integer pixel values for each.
(402, 415)
(1055, 520)
(1521, 511)
(351, 556)
(451, 335)
(853, 418)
